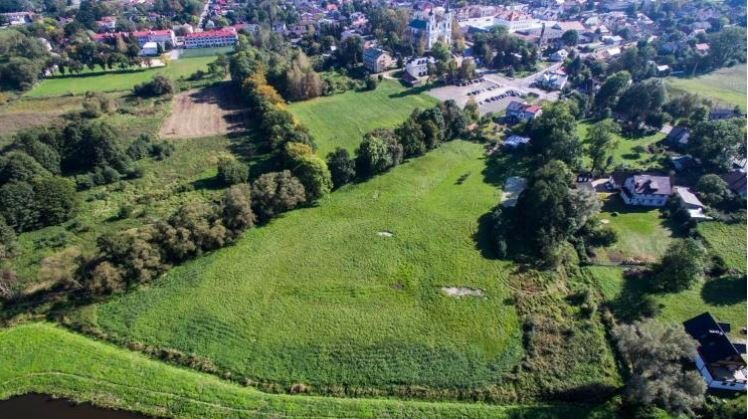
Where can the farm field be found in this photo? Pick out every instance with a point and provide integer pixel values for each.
(726, 86)
(114, 80)
(44, 358)
(625, 154)
(642, 234)
(357, 303)
(342, 120)
(203, 112)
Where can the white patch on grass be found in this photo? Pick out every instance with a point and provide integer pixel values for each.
(384, 234)
(459, 292)
(604, 221)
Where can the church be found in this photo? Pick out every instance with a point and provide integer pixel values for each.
(432, 26)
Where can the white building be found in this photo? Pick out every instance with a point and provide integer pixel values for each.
(432, 27)
(691, 203)
(149, 49)
(209, 39)
(643, 189)
(419, 66)
(720, 362)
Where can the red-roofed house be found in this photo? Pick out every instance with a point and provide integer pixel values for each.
(208, 39)
(520, 112)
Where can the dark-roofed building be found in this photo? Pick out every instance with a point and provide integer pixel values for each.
(721, 362)
(642, 189)
(736, 182)
(677, 138)
(722, 113)
(377, 60)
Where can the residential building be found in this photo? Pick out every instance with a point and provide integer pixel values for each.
(691, 203)
(515, 141)
(559, 55)
(419, 66)
(642, 189)
(551, 81)
(722, 113)
(164, 37)
(377, 60)
(736, 181)
(522, 112)
(432, 27)
(720, 362)
(702, 49)
(149, 49)
(107, 23)
(677, 138)
(209, 39)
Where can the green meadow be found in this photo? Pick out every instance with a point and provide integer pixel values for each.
(726, 86)
(624, 154)
(347, 293)
(342, 120)
(43, 358)
(111, 81)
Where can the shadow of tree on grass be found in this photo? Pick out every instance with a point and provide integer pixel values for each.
(727, 290)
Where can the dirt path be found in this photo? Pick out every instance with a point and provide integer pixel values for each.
(202, 113)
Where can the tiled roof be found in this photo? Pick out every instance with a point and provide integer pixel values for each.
(211, 34)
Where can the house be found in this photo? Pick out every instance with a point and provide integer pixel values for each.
(691, 203)
(377, 60)
(515, 141)
(612, 40)
(722, 113)
(701, 49)
(17, 18)
(164, 37)
(149, 49)
(416, 69)
(552, 81)
(677, 138)
(642, 189)
(209, 39)
(515, 21)
(663, 70)
(559, 55)
(522, 112)
(720, 362)
(431, 27)
(682, 162)
(736, 182)
(107, 23)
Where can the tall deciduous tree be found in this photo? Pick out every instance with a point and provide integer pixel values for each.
(601, 142)
(681, 266)
(554, 135)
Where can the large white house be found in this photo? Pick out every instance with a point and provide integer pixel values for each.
(208, 39)
(642, 189)
(432, 27)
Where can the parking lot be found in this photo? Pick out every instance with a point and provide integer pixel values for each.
(490, 96)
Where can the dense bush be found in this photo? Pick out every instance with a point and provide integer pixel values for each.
(158, 86)
(680, 267)
(342, 167)
(276, 192)
(231, 171)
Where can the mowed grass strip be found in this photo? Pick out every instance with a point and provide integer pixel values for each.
(320, 297)
(726, 86)
(112, 81)
(43, 358)
(342, 120)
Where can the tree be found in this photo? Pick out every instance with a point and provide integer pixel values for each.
(601, 142)
(681, 266)
(727, 46)
(236, 209)
(467, 69)
(351, 51)
(19, 166)
(471, 110)
(372, 156)
(17, 206)
(276, 192)
(411, 136)
(654, 352)
(440, 51)
(610, 91)
(554, 135)
(717, 143)
(158, 86)
(712, 189)
(642, 102)
(313, 173)
(231, 171)
(8, 283)
(55, 199)
(570, 38)
(7, 240)
(342, 167)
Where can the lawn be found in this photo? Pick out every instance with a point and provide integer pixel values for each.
(324, 297)
(726, 240)
(726, 86)
(624, 155)
(642, 232)
(111, 81)
(723, 297)
(342, 120)
(43, 358)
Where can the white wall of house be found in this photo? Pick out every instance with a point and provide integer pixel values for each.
(716, 384)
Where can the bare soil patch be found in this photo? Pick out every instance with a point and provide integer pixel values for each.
(205, 112)
(460, 292)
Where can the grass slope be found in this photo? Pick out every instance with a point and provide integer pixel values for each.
(43, 358)
(342, 120)
(114, 80)
(319, 297)
(726, 86)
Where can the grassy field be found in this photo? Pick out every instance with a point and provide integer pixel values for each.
(322, 297)
(342, 120)
(43, 358)
(114, 80)
(726, 86)
(624, 154)
(642, 233)
(724, 298)
(726, 240)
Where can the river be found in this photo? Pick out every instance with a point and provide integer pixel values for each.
(39, 406)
